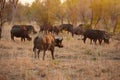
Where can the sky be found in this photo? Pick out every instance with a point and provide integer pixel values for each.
(26, 1)
(29, 1)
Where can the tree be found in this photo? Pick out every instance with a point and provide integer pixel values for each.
(107, 11)
(96, 12)
(71, 11)
(2, 17)
(14, 7)
(37, 11)
(60, 12)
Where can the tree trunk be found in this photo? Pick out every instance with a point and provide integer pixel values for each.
(68, 20)
(62, 20)
(1, 17)
(14, 6)
(83, 17)
(2, 21)
(13, 15)
(95, 27)
(0, 32)
(114, 29)
(91, 22)
(105, 22)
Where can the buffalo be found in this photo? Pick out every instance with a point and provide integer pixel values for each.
(21, 32)
(46, 42)
(95, 35)
(67, 27)
(42, 28)
(46, 27)
(79, 30)
(30, 29)
(55, 29)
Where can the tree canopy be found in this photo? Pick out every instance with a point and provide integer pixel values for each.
(96, 13)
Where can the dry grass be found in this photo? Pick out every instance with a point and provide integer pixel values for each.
(76, 61)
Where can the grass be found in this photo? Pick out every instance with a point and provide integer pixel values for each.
(88, 52)
(76, 61)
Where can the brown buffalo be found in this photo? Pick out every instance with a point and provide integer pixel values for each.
(46, 42)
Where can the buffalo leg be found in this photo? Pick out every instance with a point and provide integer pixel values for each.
(52, 53)
(12, 37)
(44, 54)
(84, 39)
(24, 39)
(95, 41)
(90, 41)
(38, 53)
(21, 39)
(34, 49)
(72, 34)
(100, 41)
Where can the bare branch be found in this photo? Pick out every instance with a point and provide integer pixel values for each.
(3, 21)
(13, 3)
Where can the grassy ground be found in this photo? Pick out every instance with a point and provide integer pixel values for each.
(76, 61)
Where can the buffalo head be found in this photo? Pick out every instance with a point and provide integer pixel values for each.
(58, 42)
(106, 38)
(29, 38)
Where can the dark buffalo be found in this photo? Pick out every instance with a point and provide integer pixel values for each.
(21, 32)
(67, 27)
(29, 28)
(42, 28)
(46, 42)
(55, 29)
(95, 35)
(79, 30)
(46, 27)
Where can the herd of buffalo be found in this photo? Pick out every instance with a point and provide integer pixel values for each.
(48, 41)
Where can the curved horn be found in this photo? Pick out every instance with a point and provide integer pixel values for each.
(106, 36)
(61, 38)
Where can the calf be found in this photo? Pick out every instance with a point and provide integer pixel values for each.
(21, 32)
(46, 42)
